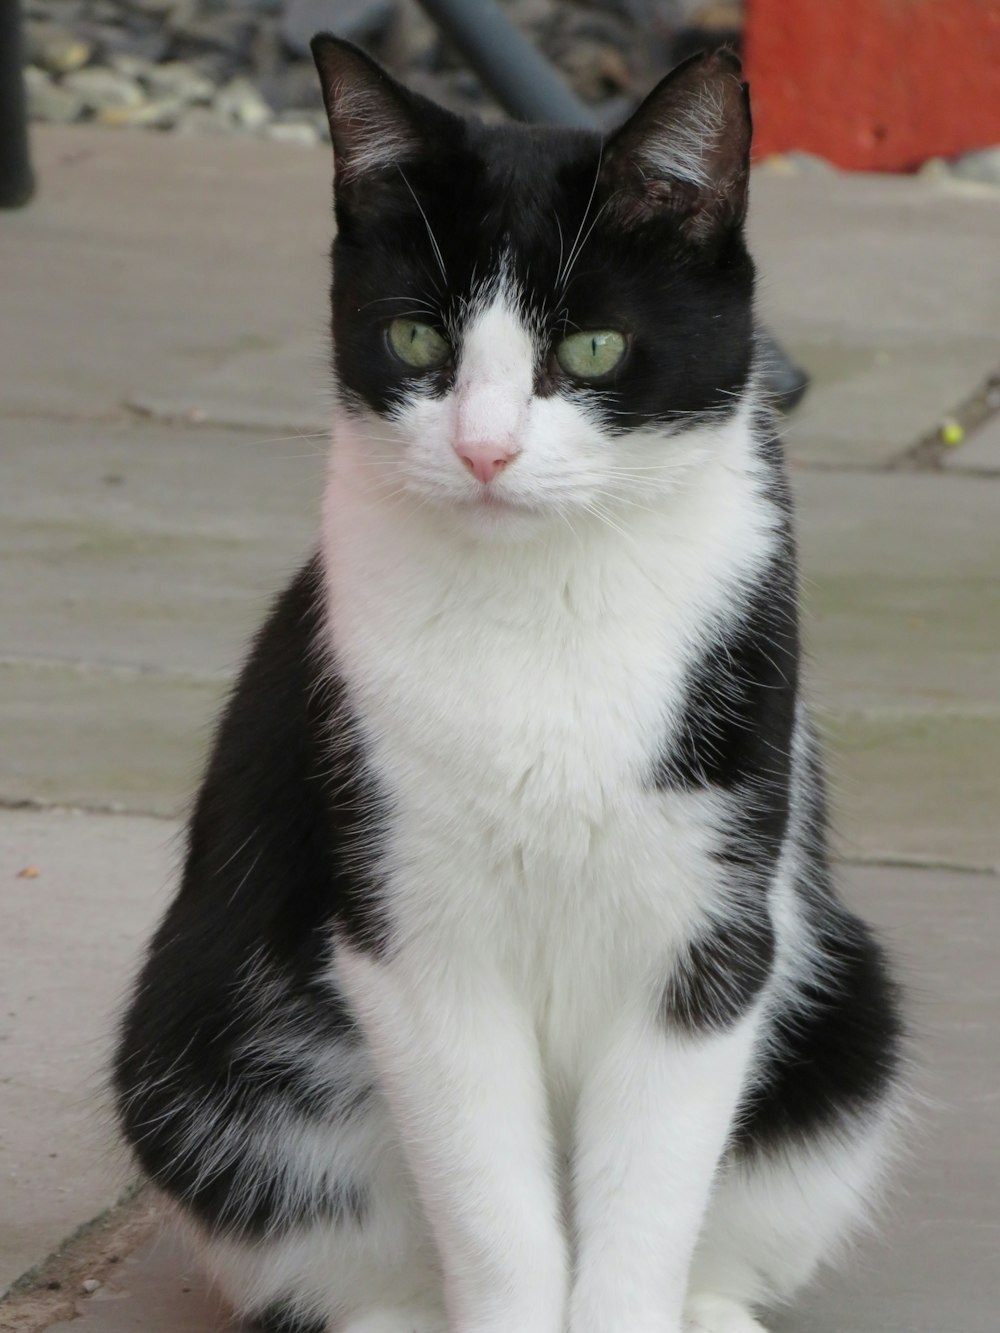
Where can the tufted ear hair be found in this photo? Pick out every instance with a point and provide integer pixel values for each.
(375, 123)
(686, 151)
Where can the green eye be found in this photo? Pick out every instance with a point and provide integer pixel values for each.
(419, 345)
(590, 353)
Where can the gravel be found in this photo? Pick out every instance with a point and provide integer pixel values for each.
(103, 89)
(55, 49)
(982, 165)
(242, 66)
(48, 101)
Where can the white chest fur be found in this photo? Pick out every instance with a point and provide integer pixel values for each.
(514, 698)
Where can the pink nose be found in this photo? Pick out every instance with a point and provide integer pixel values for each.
(485, 460)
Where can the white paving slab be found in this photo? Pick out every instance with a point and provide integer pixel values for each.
(71, 938)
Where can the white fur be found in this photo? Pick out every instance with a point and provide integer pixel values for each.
(771, 1225)
(516, 668)
(493, 390)
(534, 923)
(653, 1119)
(685, 143)
(367, 131)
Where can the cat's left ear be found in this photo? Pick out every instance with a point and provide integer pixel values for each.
(686, 151)
(375, 123)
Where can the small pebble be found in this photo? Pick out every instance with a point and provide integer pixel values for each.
(48, 101)
(176, 79)
(292, 131)
(240, 101)
(90, 1285)
(981, 165)
(101, 89)
(202, 120)
(55, 49)
(780, 164)
(161, 114)
(29, 872)
(809, 164)
(132, 66)
(935, 169)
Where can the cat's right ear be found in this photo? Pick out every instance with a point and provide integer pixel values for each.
(375, 124)
(685, 153)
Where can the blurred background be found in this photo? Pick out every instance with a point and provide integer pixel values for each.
(163, 405)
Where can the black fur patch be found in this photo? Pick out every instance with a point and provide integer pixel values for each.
(736, 735)
(721, 974)
(835, 1055)
(741, 698)
(271, 865)
(281, 1319)
(839, 1048)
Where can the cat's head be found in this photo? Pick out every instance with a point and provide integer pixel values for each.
(530, 321)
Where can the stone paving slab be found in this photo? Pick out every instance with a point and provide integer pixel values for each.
(869, 404)
(888, 291)
(902, 610)
(256, 387)
(932, 1268)
(901, 589)
(70, 942)
(147, 263)
(157, 1290)
(146, 545)
(136, 559)
(980, 452)
(915, 787)
(104, 739)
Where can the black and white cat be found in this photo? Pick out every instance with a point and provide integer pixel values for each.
(506, 990)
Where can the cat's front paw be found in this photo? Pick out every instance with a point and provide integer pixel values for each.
(718, 1314)
(402, 1320)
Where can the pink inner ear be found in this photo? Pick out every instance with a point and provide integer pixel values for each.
(372, 121)
(686, 150)
(644, 198)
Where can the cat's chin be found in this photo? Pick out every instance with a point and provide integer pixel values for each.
(494, 517)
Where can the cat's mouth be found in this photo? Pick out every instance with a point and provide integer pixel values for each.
(492, 513)
(490, 501)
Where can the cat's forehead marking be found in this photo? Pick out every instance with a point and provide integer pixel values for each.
(496, 306)
(498, 342)
(496, 370)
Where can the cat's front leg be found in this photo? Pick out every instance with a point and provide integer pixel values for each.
(459, 1063)
(655, 1112)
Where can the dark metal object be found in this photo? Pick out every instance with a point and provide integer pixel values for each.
(525, 85)
(523, 82)
(17, 183)
(360, 21)
(786, 381)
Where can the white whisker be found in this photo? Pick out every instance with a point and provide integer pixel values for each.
(430, 234)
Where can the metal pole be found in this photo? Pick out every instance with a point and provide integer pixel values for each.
(17, 184)
(523, 82)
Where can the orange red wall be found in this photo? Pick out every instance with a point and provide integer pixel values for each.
(874, 84)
